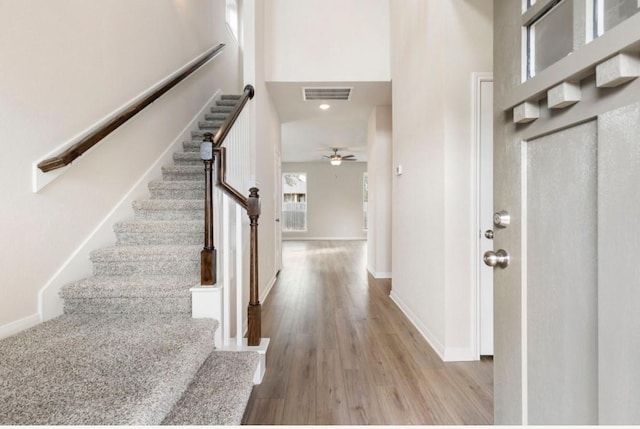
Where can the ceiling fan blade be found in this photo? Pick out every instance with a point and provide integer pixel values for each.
(325, 156)
(348, 156)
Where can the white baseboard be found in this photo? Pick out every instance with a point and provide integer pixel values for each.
(78, 265)
(19, 325)
(267, 290)
(431, 339)
(447, 354)
(379, 274)
(324, 238)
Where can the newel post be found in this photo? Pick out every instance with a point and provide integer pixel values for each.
(253, 311)
(208, 254)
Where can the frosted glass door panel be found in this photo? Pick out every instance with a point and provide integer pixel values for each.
(551, 37)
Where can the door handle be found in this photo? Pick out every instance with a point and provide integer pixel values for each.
(277, 220)
(499, 258)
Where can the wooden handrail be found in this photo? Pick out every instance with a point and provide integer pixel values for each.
(247, 95)
(67, 156)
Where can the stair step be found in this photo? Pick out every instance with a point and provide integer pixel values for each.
(188, 158)
(226, 102)
(138, 232)
(79, 369)
(141, 294)
(192, 146)
(199, 135)
(146, 260)
(221, 109)
(177, 189)
(210, 125)
(230, 97)
(183, 172)
(203, 403)
(218, 116)
(168, 209)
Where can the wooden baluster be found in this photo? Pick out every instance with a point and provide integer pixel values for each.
(253, 311)
(208, 255)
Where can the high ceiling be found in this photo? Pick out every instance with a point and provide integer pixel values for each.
(308, 133)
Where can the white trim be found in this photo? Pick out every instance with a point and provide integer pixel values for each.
(324, 238)
(581, 62)
(476, 81)
(78, 265)
(459, 354)
(447, 354)
(206, 303)
(435, 344)
(265, 293)
(379, 274)
(242, 345)
(41, 179)
(19, 325)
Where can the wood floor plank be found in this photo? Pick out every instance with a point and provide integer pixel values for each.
(342, 352)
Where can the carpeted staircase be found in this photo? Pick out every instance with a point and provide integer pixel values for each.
(127, 351)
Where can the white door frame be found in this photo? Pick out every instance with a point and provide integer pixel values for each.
(477, 78)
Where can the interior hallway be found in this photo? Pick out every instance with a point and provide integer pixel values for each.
(341, 352)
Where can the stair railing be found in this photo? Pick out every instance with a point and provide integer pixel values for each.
(212, 151)
(68, 155)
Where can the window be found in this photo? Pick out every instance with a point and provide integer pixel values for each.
(550, 37)
(609, 13)
(365, 198)
(294, 202)
(232, 18)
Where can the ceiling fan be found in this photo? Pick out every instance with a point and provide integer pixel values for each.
(336, 159)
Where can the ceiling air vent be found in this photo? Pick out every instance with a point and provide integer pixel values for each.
(325, 93)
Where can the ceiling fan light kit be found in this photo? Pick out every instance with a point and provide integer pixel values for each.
(336, 159)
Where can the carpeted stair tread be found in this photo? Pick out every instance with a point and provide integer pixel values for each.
(107, 370)
(183, 172)
(199, 135)
(192, 146)
(146, 260)
(215, 116)
(226, 102)
(130, 286)
(222, 109)
(154, 227)
(144, 253)
(156, 209)
(177, 189)
(219, 392)
(209, 125)
(188, 158)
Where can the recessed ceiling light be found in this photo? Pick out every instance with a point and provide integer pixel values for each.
(324, 106)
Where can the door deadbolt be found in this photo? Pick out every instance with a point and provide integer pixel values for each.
(502, 219)
(499, 258)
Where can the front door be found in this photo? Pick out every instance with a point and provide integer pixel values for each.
(567, 203)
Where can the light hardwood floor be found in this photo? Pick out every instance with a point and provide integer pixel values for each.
(341, 352)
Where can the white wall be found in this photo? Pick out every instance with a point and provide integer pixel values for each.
(379, 169)
(435, 47)
(64, 66)
(334, 200)
(327, 40)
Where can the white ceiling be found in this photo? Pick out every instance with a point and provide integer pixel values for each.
(308, 133)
